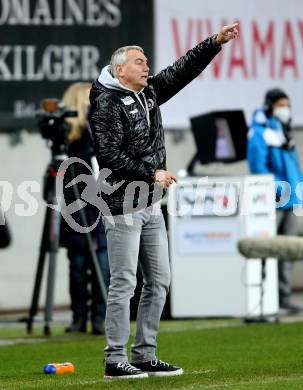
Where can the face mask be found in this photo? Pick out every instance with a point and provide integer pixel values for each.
(283, 114)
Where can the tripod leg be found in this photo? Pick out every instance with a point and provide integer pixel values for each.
(50, 293)
(39, 274)
(55, 220)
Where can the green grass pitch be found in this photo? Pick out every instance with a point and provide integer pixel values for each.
(214, 355)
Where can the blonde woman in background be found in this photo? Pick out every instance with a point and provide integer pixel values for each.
(82, 273)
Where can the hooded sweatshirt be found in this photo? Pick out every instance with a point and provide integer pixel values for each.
(268, 153)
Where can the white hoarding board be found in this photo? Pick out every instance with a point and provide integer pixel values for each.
(268, 53)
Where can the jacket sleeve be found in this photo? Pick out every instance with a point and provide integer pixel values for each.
(171, 80)
(108, 132)
(257, 151)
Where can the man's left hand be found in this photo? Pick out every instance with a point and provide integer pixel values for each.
(227, 33)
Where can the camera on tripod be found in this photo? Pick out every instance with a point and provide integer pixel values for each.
(52, 124)
(54, 128)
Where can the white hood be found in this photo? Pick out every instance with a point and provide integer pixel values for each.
(110, 82)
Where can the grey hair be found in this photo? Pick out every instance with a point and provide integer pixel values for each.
(119, 57)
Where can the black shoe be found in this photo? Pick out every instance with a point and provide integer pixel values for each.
(158, 368)
(98, 328)
(122, 370)
(76, 326)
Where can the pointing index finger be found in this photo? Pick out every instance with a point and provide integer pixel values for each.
(230, 27)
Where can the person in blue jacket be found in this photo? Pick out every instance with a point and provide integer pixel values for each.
(271, 150)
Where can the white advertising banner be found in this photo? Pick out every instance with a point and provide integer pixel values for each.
(268, 54)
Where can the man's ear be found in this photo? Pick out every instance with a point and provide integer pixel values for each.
(119, 71)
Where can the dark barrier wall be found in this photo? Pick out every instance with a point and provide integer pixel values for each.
(47, 44)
